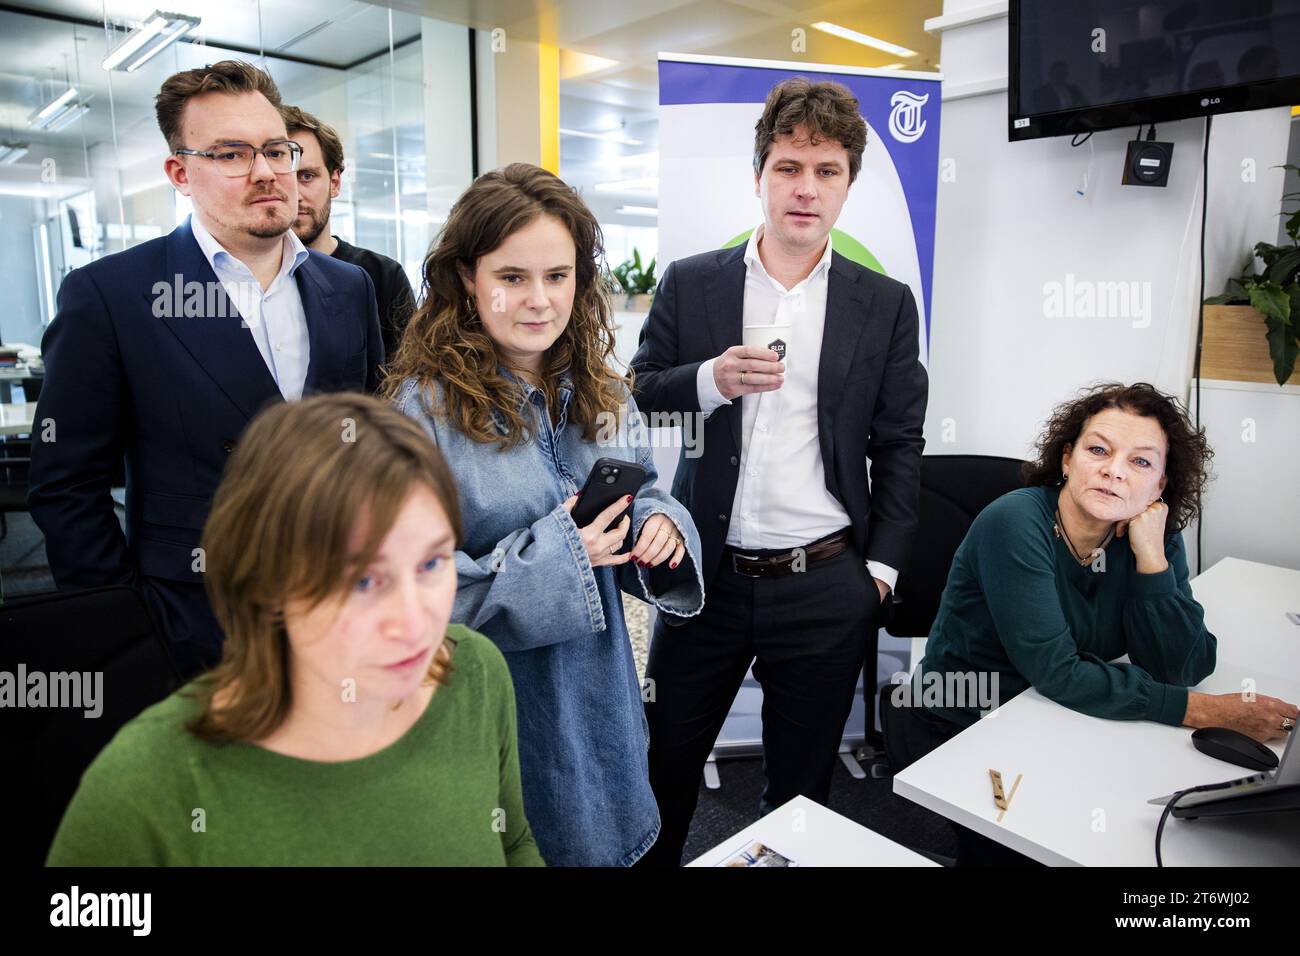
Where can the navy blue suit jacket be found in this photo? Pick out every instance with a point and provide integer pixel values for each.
(871, 397)
(171, 395)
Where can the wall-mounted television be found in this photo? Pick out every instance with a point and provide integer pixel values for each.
(1078, 66)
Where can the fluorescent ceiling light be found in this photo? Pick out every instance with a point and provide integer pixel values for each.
(10, 153)
(875, 43)
(66, 119)
(890, 66)
(648, 184)
(636, 159)
(42, 117)
(574, 64)
(149, 39)
(610, 137)
(637, 210)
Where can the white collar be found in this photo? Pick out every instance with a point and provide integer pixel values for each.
(295, 253)
(752, 257)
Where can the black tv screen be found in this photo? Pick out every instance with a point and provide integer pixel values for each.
(1078, 66)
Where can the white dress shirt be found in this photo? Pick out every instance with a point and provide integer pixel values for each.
(275, 316)
(781, 498)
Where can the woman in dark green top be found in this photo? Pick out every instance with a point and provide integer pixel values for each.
(1056, 580)
(348, 723)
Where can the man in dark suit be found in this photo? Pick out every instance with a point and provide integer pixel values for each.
(163, 353)
(800, 549)
(320, 179)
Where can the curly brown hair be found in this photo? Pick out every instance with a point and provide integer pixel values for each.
(1187, 466)
(828, 110)
(447, 341)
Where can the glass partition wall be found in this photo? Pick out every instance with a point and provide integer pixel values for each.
(81, 156)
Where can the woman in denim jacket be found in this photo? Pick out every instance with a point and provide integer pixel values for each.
(507, 365)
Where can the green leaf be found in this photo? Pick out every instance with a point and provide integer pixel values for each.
(1282, 346)
(1273, 301)
(1284, 267)
(1293, 226)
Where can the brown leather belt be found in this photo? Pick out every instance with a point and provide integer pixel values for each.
(787, 562)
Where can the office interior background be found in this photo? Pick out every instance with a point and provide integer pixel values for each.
(427, 95)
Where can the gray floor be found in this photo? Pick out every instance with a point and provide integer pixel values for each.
(23, 568)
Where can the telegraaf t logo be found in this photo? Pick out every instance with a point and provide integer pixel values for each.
(905, 122)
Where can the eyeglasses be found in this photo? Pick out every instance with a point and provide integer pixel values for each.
(236, 159)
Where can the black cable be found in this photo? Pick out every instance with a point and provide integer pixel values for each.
(1160, 827)
(1076, 142)
(1200, 310)
(1151, 132)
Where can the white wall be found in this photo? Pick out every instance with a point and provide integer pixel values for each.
(1011, 222)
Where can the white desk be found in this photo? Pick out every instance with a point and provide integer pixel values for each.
(16, 418)
(1086, 781)
(812, 835)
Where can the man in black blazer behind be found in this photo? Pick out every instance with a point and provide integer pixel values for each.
(799, 548)
(161, 355)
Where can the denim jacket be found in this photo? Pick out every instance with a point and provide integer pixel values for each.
(525, 581)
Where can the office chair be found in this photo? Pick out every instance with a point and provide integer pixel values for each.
(954, 489)
(15, 459)
(45, 750)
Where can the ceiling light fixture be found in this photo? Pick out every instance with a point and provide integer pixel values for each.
(67, 118)
(53, 110)
(149, 39)
(647, 184)
(609, 137)
(10, 153)
(844, 33)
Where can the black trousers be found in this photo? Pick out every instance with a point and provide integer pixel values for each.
(806, 634)
(910, 734)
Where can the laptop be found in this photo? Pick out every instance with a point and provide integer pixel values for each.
(1277, 789)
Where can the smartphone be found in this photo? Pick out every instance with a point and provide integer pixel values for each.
(609, 480)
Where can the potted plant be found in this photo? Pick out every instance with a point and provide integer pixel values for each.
(636, 282)
(1273, 294)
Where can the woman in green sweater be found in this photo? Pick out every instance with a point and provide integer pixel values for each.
(347, 723)
(1056, 580)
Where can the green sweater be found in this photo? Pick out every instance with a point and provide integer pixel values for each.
(1018, 604)
(446, 793)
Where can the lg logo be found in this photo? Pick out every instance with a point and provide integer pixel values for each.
(1207, 101)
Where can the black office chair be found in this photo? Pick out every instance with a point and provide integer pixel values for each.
(954, 489)
(31, 385)
(46, 750)
(15, 459)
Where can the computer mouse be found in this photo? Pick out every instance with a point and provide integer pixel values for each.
(1234, 747)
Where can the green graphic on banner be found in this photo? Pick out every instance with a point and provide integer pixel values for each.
(844, 244)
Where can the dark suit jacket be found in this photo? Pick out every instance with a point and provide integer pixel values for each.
(871, 396)
(171, 395)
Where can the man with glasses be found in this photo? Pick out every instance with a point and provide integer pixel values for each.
(161, 354)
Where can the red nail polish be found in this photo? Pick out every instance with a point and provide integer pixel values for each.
(629, 499)
(673, 565)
